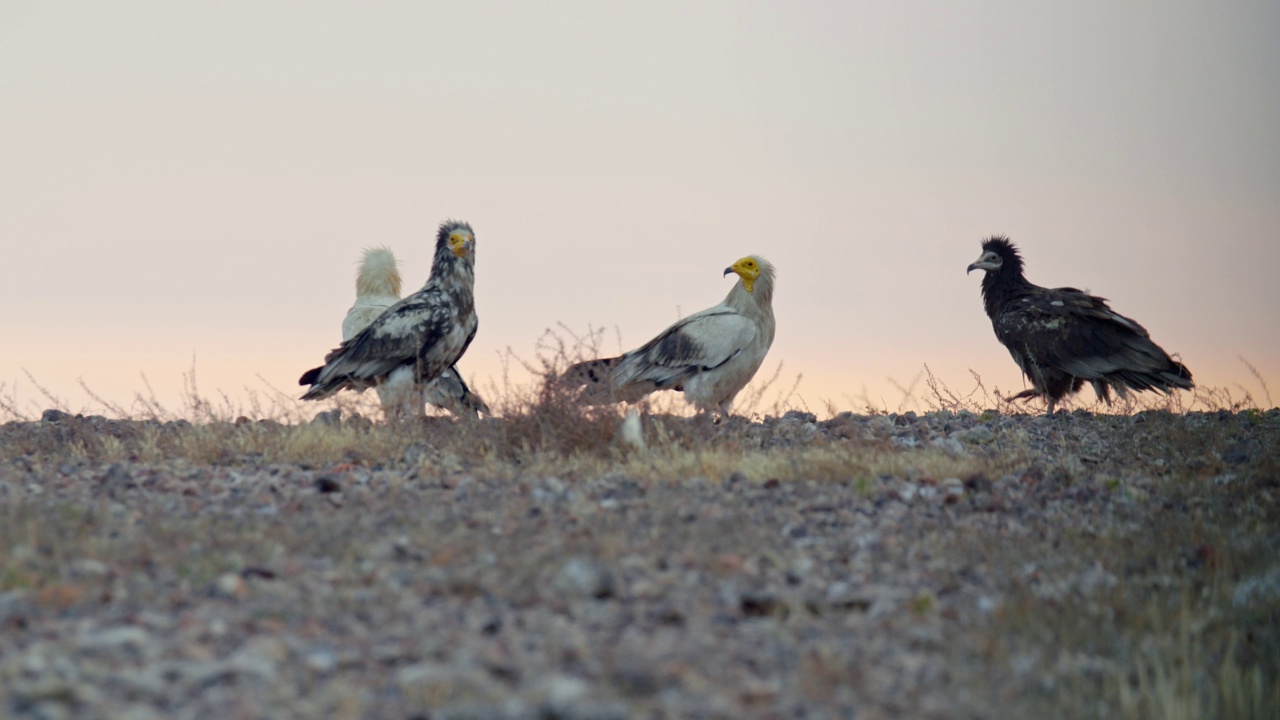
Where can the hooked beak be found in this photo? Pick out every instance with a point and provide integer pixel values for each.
(971, 268)
(727, 271)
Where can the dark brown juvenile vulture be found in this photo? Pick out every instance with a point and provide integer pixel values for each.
(1064, 337)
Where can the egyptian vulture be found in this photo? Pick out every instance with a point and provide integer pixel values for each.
(416, 339)
(378, 288)
(710, 355)
(1064, 337)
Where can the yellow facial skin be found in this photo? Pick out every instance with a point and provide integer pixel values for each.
(748, 269)
(461, 242)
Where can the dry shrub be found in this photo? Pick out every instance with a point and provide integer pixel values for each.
(545, 415)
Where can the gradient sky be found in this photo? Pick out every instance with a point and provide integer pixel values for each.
(197, 179)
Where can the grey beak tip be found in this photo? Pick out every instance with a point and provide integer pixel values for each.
(727, 271)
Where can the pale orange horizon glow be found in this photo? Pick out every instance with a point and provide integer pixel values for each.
(194, 182)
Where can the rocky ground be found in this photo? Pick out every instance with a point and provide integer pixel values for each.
(941, 566)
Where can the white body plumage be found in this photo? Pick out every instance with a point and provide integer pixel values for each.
(710, 355)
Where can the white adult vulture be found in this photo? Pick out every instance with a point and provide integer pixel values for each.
(710, 355)
(415, 340)
(378, 288)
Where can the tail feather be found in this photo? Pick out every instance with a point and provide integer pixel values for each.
(450, 392)
(1174, 376)
(607, 380)
(594, 378)
(470, 399)
(1178, 376)
(311, 376)
(592, 372)
(316, 393)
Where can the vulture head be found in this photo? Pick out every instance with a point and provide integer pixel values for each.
(997, 253)
(749, 269)
(457, 237)
(378, 274)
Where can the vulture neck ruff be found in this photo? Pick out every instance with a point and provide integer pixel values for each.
(378, 275)
(448, 271)
(759, 300)
(1004, 285)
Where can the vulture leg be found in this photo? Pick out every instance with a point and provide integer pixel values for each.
(724, 409)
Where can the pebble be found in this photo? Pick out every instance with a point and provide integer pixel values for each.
(231, 586)
(83, 568)
(948, 444)
(330, 418)
(582, 577)
(979, 435)
(127, 638)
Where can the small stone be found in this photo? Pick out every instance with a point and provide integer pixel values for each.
(50, 710)
(1236, 453)
(259, 657)
(148, 683)
(53, 415)
(321, 662)
(88, 568)
(583, 577)
(232, 586)
(48, 688)
(952, 489)
(433, 685)
(844, 597)
(903, 490)
(948, 444)
(117, 478)
(1262, 589)
(328, 417)
(549, 491)
(127, 638)
(328, 483)
(631, 432)
(978, 482)
(135, 712)
(979, 435)
(763, 604)
(561, 691)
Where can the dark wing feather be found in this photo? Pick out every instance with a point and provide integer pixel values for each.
(406, 334)
(1067, 331)
(701, 342)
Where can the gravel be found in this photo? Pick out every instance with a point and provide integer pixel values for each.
(245, 588)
